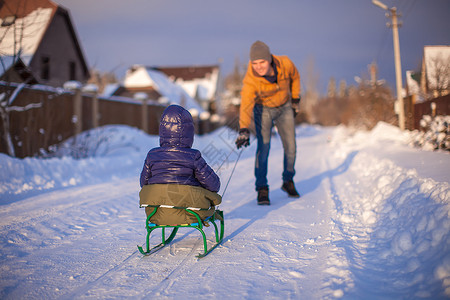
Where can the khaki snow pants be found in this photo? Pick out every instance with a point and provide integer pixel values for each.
(181, 196)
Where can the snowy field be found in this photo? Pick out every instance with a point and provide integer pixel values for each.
(373, 222)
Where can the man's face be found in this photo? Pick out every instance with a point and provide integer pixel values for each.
(261, 67)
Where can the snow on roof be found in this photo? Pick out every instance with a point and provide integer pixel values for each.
(137, 77)
(6, 62)
(109, 89)
(140, 76)
(436, 59)
(198, 81)
(413, 85)
(25, 34)
(203, 88)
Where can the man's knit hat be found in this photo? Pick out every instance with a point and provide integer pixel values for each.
(259, 50)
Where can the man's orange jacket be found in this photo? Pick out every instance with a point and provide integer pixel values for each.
(257, 89)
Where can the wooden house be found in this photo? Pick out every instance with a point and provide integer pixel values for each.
(143, 82)
(38, 39)
(435, 76)
(200, 82)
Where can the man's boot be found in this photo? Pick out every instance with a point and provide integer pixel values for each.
(289, 187)
(263, 196)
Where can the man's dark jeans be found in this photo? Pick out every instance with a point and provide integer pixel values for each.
(265, 118)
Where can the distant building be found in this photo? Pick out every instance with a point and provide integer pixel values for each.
(39, 43)
(434, 78)
(149, 83)
(200, 82)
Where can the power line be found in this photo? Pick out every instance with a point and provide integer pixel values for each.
(407, 8)
(383, 43)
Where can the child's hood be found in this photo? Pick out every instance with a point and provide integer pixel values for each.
(176, 128)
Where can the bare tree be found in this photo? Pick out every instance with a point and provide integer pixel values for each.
(231, 96)
(310, 92)
(331, 90)
(370, 105)
(361, 106)
(102, 79)
(14, 32)
(233, 81)
(439, 75)
(342, 88)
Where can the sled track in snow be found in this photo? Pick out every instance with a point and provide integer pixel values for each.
(136, 261)
(169, 280)
(85, 288)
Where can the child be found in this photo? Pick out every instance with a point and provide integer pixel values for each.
(175, 174)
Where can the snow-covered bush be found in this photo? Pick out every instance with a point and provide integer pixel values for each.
(435, 134)
(102, 141)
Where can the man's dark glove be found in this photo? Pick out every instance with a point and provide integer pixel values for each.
(295, 106)
(243, 139)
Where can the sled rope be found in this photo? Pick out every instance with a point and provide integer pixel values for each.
(232, 171)
(224, 161)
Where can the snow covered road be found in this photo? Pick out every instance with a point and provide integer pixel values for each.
(367, 226)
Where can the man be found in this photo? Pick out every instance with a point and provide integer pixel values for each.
(271, 93)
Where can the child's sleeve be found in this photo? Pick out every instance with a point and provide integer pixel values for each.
(206, 175)
(145, 173)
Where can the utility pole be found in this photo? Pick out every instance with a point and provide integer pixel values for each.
(398, 67)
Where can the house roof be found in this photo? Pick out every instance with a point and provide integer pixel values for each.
(139, 77)
(34, 16)
(200, 82)
(130, 92)
(23, 8)
(188, 73)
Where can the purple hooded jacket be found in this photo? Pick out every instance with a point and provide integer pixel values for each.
(175, 162)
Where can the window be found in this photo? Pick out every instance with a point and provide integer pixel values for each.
(72, 70)
(45, 68)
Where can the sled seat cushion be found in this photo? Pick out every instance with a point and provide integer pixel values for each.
(178, 195)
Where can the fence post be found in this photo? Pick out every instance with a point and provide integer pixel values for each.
(433, 109)
(204, 122)
(411, 112)
(77, 116)
(143, 97)
(92, 90)
(95, 115)
(195, 116)
(78, 111)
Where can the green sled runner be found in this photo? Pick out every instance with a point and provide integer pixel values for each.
(174, 206)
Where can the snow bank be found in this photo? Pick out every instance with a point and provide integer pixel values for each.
(392, 226)
(104, 154)
(436, 135)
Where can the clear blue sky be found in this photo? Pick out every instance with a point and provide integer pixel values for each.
(340, 37)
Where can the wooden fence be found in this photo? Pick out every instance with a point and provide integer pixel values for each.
(58, 114)
(433, 107)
